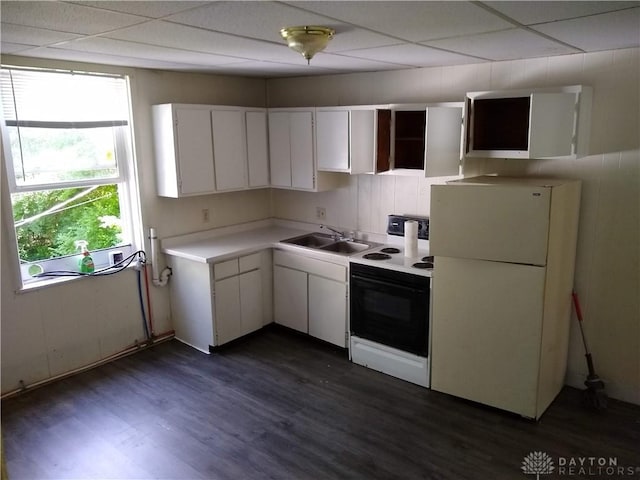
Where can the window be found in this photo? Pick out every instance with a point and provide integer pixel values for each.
(68, 156)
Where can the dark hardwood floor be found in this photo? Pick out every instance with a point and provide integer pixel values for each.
(280, 406)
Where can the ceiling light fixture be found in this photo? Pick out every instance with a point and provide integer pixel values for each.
(307, 40)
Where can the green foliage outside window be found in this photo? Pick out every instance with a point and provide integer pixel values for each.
(94, 217)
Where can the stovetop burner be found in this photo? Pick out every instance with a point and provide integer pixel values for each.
(423, 265)
(376, 256)
(390, 250)
(428, 259)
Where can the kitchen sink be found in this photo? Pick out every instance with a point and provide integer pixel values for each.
(311, 240)
(328, 243)
(346, 246)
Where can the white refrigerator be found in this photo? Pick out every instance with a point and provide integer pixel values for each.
(504, 261)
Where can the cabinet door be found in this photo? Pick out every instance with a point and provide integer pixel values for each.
(332, 140)
(191, 291)
(194, 151)
(229, 149)
(280, 149)
(251, 313)
(363, 141)
(301, 141)
(257, 149)
(552, 138)
(443, 141)
(290, 298)
(227, 307)
(328, 310)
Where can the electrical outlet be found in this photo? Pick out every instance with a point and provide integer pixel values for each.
(321, 213)
(205, 215)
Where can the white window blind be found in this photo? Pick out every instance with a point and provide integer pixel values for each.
(65, 97)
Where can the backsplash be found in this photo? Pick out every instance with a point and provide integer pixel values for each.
(363, 205)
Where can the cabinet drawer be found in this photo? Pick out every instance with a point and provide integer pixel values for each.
(225, 269)
(311, 265)
(250, 262)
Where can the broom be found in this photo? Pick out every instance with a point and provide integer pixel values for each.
(594, 395)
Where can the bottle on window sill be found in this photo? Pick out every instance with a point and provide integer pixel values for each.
(85, 264)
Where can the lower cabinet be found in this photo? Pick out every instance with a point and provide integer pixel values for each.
(238, 306)
(290, 298)
(310, 296)
(214, 304)
(327, 313)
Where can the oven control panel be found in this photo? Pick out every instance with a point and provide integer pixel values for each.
(395, 225)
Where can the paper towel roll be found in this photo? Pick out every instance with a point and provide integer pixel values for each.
(410, 238)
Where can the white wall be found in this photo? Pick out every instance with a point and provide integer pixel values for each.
(608, 263)
(59, 328)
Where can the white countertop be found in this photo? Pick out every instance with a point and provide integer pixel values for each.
(225, 243)
(218, 248)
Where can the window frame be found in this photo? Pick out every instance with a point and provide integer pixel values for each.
(126, 182)
(120, 147)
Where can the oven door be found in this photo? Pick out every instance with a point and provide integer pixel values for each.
(390, 308)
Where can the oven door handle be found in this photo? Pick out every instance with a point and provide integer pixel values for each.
(388, 284)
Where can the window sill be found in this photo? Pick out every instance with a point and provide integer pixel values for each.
(100, 257)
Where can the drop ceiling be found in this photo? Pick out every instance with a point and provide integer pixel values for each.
(242, 37)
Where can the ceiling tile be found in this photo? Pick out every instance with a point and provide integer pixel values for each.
(600, 32)
(261, 20)
(64, 17)
(411, 55)
(529, 13)
(33, 36)
(106, 59)
(143, 8)
(351, 38)
(7, 48)
(412, 21)
(198, 40)
(355, 62)
(122, 48)
(505, 45)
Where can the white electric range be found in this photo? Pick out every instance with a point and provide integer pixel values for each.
(390, 304)
(392, 256)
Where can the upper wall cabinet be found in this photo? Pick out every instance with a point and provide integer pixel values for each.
(549, 123)
(291, 152)
(202, 149)
(426, 140)
(183, 150)
(348, 139)
(240, 148)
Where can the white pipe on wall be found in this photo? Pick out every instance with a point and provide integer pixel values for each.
(160, 278)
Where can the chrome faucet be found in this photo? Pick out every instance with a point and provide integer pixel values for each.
(337, 234)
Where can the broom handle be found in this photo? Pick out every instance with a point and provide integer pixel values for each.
(576, 304)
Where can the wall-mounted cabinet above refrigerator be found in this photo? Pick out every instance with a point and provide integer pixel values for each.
(529, 124)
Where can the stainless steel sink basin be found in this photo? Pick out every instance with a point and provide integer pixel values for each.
(346, 246)
(311, 240)
(327, 243)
